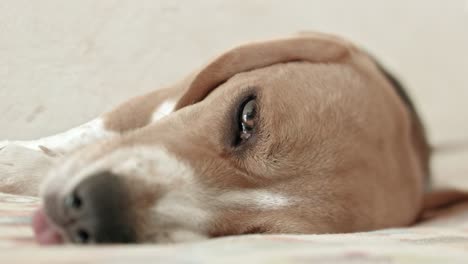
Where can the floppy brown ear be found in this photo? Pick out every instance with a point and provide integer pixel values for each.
(315, 47)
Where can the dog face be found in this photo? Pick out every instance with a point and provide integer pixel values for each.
(295, 136)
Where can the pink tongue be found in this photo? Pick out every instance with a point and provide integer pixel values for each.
(44, 232)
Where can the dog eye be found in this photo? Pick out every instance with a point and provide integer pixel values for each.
(247, 119)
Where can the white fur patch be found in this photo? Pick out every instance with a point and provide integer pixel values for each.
(163, 110)
(69, 140)
(152, 164)
(259, 199)
(182, 207)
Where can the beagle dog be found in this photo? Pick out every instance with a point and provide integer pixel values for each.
(302, 135)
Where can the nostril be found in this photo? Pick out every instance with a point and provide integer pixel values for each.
(82, 236)
(74, 201)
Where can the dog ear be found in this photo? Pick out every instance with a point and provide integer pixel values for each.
(312, 47)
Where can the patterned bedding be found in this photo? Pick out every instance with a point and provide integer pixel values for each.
(440, 239)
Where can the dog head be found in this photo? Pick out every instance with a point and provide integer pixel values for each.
(299, 135)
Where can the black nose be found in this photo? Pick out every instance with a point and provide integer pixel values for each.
(98, 211)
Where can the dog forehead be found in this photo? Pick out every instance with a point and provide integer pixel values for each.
(275, 81)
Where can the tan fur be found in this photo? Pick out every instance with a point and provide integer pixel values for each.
(333, 135)
(137, 112)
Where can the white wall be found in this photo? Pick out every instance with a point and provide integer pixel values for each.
(64, 62)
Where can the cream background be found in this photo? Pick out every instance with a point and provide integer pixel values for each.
(64, 62)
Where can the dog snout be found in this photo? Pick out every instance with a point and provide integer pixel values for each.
(96, 211)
